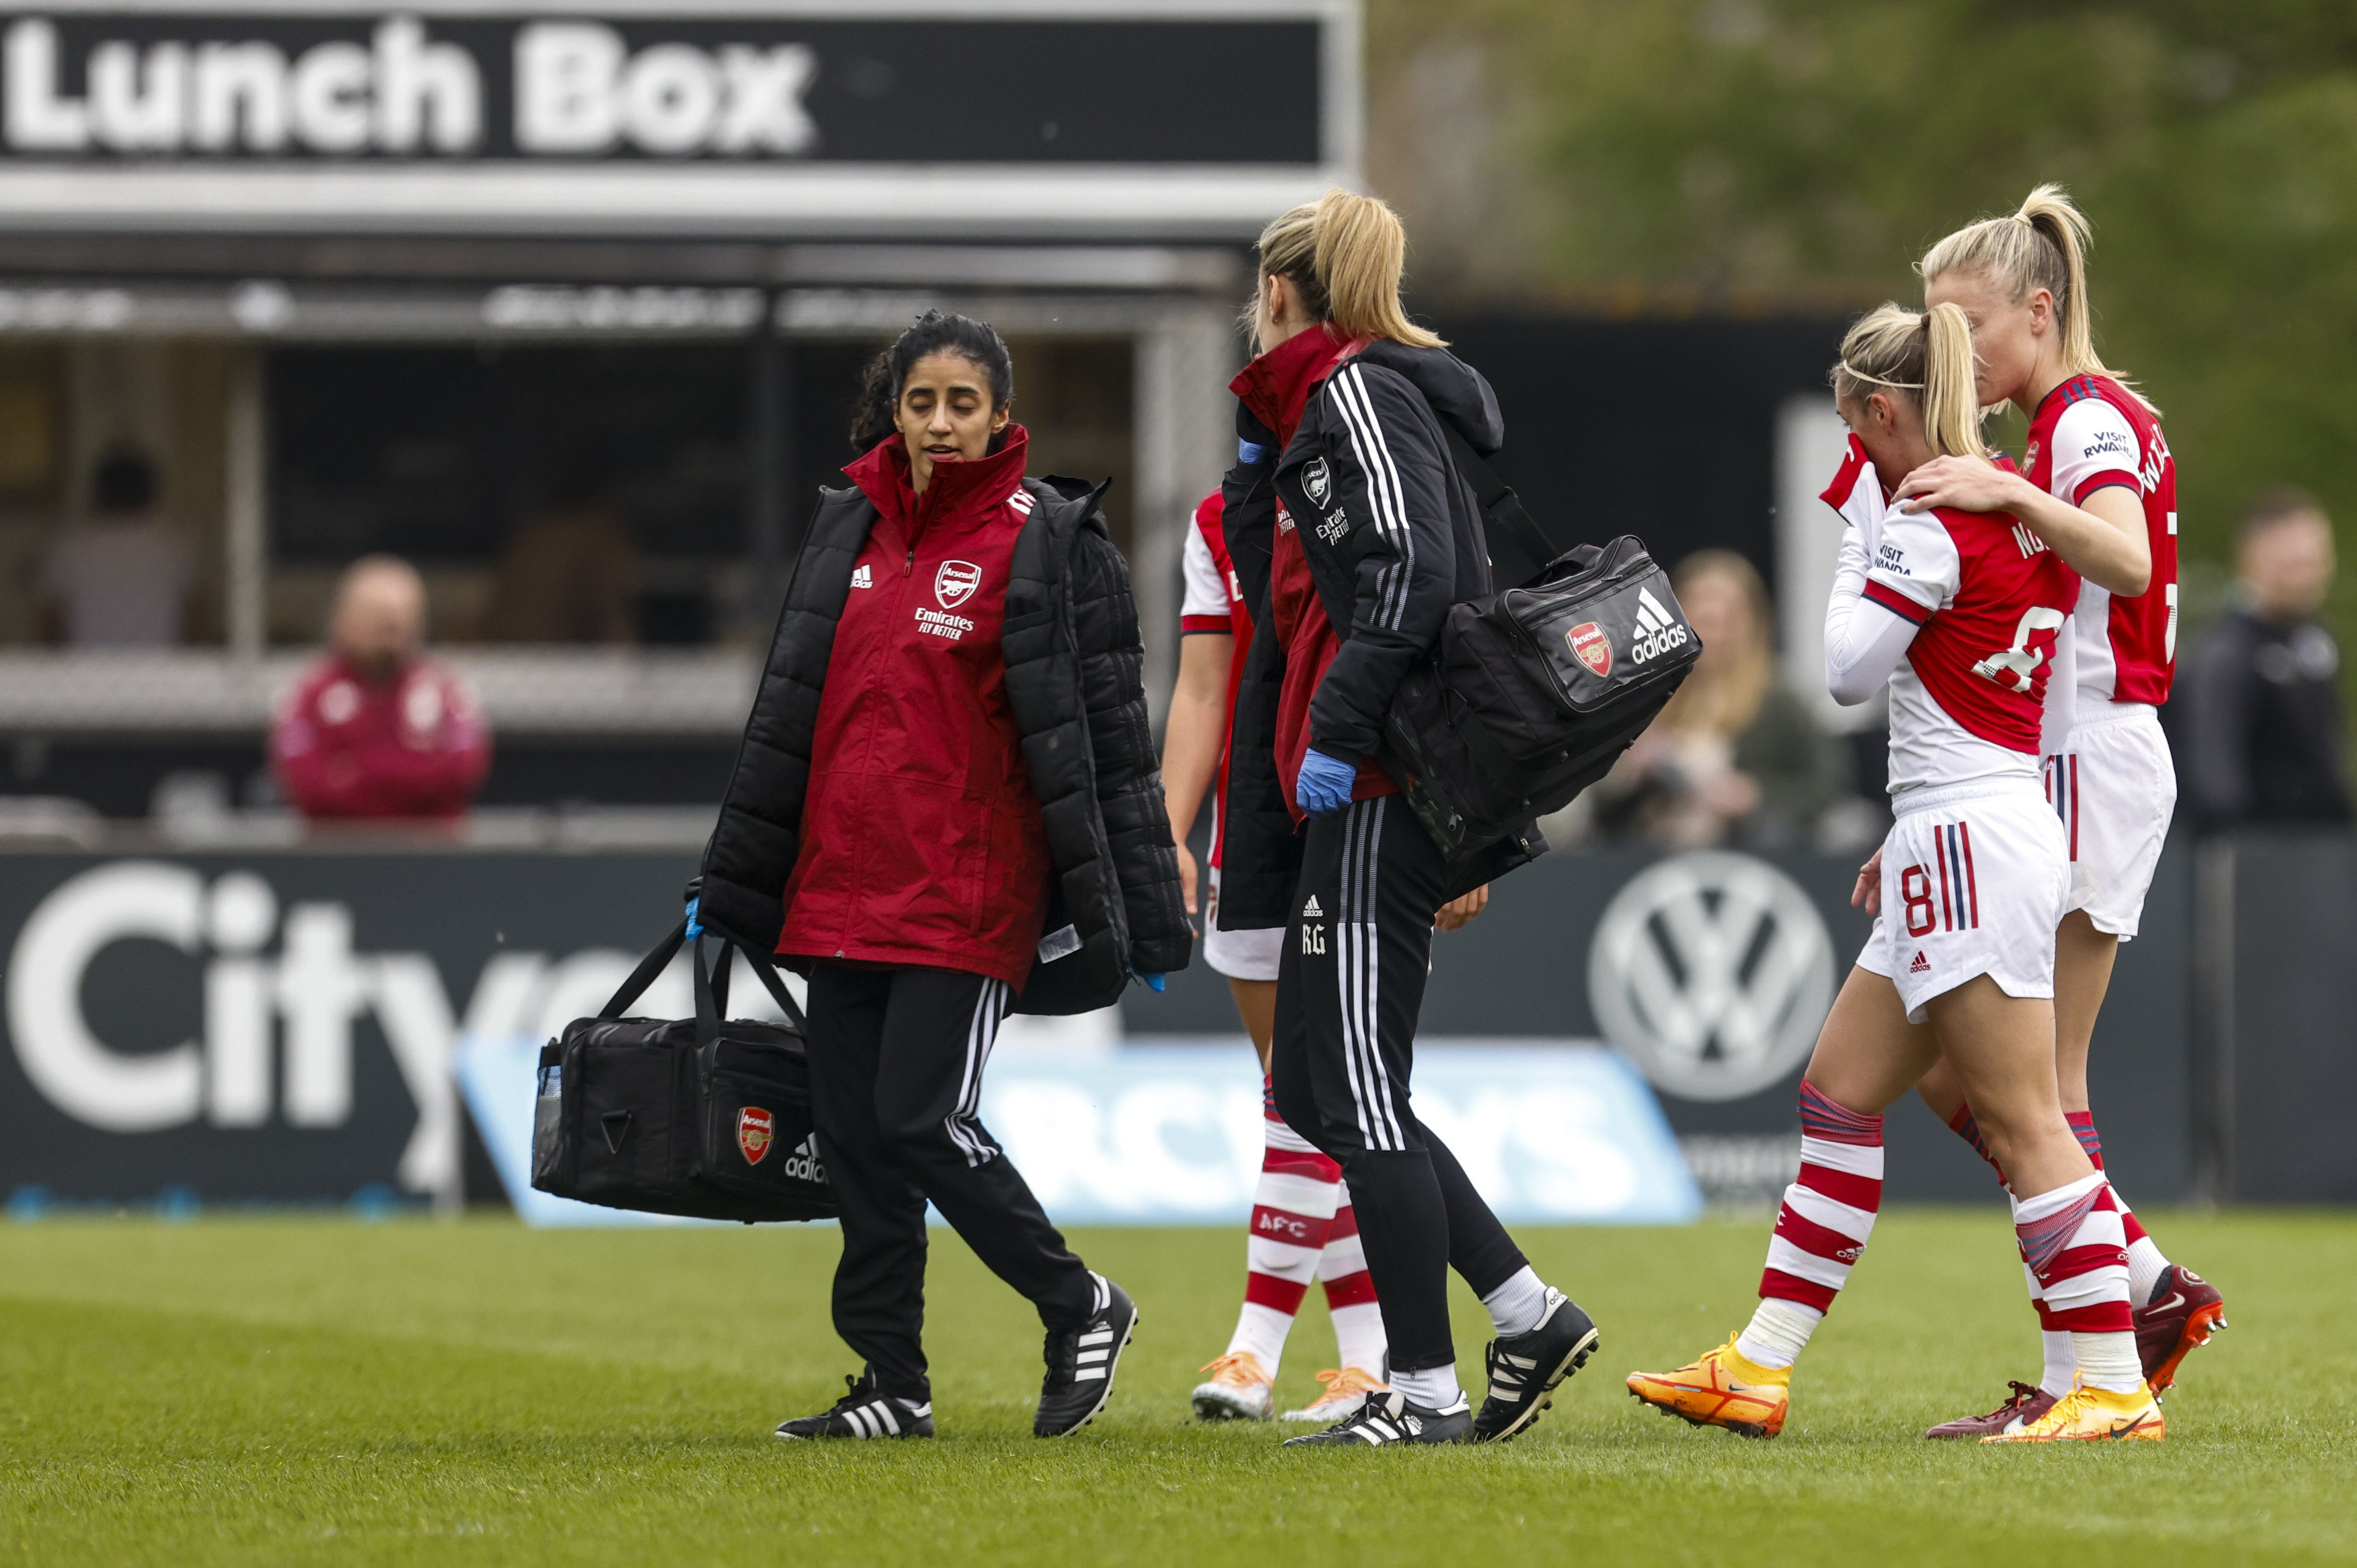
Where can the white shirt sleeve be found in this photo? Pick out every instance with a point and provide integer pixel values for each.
(2091, 442)
(1914, 558)
(1864, 640)
(1207, 592)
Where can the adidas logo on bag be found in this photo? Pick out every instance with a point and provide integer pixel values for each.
(1658, 631)
(803, 1164)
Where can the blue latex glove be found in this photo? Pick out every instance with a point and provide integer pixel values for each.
(1249, 453)
(694, 929)
(1153, 981)
(1325, 784)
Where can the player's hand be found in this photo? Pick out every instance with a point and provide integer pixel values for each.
(1867, 893)
(1960, 484)
(1458, 913)
(1186, 878)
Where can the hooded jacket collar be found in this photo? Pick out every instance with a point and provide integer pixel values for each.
(1458, 392)
(1275, 387)
(882, 474)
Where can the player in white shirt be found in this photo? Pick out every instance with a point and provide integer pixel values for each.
(1958, 615)
(2097, 484)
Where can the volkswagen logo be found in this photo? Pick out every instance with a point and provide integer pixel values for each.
(1713, 971)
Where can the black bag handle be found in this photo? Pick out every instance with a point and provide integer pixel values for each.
(1520, 550)
(711, 989)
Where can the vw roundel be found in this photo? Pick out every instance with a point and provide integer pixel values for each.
(755, 1129)
(1593, 648)
(955, 583)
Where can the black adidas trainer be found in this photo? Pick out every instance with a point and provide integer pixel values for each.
(1390, 1416)
(1525, 1368)
(865, 1413)
(1082, 1362)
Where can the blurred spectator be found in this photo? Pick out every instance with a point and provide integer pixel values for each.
(374, 728)
(571, 573)
(120, 577)
(2260, 739)
(1735, 755)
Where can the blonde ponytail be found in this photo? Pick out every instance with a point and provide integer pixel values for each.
(1925, 357)
(2042, 245)
(1951, 410)
(1346, 254)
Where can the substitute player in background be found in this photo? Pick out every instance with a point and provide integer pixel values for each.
(1958, 614)
(2099, 487)
(1302, 1222)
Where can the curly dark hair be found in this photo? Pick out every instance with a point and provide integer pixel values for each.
(936, 332)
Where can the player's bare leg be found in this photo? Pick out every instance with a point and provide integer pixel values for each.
(2175, 1310)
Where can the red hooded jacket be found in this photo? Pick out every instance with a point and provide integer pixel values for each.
(1275, 387)
(922, 842)
(345, 745)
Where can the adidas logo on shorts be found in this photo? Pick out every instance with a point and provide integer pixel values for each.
(1921, 965)
(1658, 631)
(1310, 911)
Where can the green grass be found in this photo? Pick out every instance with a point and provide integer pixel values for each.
(293, 1390)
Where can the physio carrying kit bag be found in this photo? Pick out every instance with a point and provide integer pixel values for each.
(708, 1117)
(1532, 693)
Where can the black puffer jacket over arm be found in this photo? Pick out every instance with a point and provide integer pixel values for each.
(1074, 679)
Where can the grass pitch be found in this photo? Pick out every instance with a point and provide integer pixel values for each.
(296, 1391)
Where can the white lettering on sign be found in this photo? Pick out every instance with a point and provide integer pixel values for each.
(275, 1034)
(579, 90)
(400, 93)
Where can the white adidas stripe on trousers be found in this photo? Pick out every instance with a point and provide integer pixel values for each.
(962, 1124)
(1358, 960)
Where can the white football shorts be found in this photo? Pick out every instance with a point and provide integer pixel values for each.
(1238, 955)
(1974, 880)
(2115, 790)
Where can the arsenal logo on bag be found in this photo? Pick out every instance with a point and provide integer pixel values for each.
(754, 1130)
(1594, 649)
(955, 583)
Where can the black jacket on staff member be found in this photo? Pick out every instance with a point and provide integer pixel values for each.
(948, 766)
(1391, 543)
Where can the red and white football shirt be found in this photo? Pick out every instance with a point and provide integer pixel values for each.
(1989, 601)
(1215, 602)
(2089, 433)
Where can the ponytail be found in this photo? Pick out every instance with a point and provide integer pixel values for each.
(1345, 253)
(1951, 410)
(2042, 245)
(1923, 356)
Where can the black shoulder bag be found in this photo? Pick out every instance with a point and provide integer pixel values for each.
(1535, 690)
(708, 1116)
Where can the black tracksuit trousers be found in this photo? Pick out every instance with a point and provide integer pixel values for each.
(1348, 987)
(896, 1063)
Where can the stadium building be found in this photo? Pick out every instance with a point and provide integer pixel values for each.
(363, 278)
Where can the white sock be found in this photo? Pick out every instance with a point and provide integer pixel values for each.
(2145, 1265)
(1260, 1332)
(1779, 1332)
(1435, 1388)
(2109, 1361)
(1516, 1306)
(2061, 1361)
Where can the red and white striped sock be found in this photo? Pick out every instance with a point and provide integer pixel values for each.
(1821, 1229)
(1291, 1219)
(2076, 1248)
(2146, 1262)
(1358, 1339)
